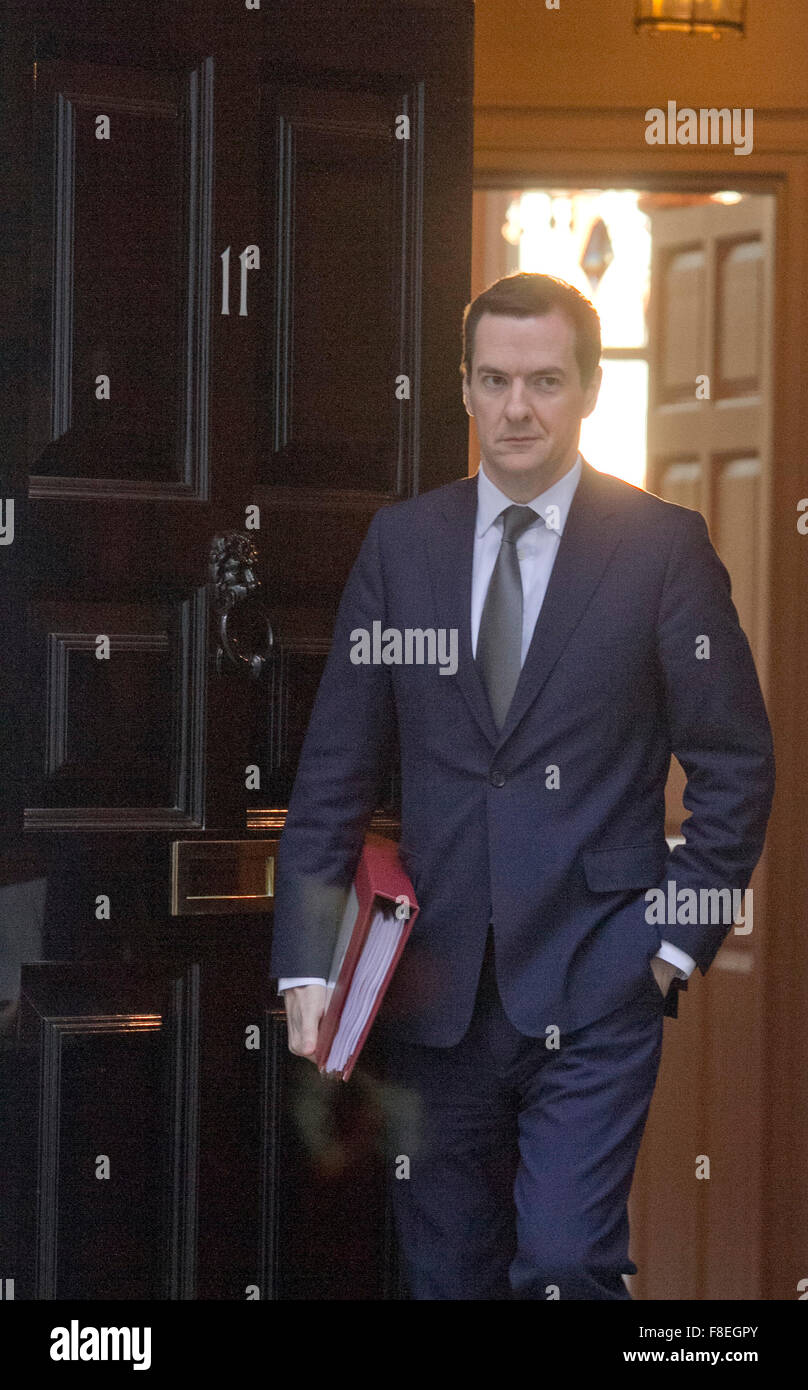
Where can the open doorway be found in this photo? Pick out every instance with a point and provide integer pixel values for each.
(599, 241)
(683, 281)
(710, 278)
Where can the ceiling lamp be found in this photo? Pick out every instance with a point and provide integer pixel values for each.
(714, 17)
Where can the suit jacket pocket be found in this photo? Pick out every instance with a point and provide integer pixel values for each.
(637, 866)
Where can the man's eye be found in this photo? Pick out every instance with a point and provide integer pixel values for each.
(493, 380)
(550, 381)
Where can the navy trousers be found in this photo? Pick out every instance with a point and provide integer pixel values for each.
(511, 1162)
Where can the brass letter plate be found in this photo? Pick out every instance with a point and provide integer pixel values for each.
(221, 876)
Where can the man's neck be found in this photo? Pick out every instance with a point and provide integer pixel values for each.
(529, 487)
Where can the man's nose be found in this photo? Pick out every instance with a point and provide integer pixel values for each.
(517, 405)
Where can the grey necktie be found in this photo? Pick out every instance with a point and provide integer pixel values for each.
(499, 640)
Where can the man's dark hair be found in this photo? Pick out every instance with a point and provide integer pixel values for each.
(521, 296)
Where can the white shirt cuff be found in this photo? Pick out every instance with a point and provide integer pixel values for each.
(685, 964)
(292, 981)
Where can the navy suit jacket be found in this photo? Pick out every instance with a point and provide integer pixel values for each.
(554, 828)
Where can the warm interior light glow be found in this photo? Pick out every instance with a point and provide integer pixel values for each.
(556, 227)
(712, 17)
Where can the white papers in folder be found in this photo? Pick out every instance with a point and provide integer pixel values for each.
(380, 945)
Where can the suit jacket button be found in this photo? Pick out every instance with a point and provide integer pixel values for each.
(496, 778)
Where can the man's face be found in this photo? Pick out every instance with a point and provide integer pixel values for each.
(525, 394)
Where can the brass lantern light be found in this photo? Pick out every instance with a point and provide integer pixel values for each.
(714, 17)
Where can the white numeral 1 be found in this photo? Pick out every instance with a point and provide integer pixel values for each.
(226, 281)
(250, 259)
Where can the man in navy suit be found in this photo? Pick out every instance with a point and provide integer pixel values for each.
(595, 635)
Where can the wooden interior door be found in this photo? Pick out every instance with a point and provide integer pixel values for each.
(238, 244)
(709, 430)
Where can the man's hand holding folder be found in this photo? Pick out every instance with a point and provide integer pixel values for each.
(305, 1006)
(330, 1023)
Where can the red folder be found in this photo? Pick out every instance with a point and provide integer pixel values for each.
(378, 918)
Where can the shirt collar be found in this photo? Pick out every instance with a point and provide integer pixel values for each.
(491, 502)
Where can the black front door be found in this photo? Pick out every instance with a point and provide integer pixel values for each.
(237, 249)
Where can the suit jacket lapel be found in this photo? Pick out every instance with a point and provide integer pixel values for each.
(589, 538)
(450, 547)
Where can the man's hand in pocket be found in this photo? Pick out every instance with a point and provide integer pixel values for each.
(663, 973)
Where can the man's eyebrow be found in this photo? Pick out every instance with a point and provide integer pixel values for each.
(537, 371)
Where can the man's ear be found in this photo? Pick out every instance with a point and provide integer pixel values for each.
(592, 392)
(469, 410)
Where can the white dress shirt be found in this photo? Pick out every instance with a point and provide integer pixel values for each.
(536, 550)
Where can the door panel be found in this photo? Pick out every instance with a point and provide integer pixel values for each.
(121, 280)
(148, 697)
(711, 305)
(711, 317)
(343, 187)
